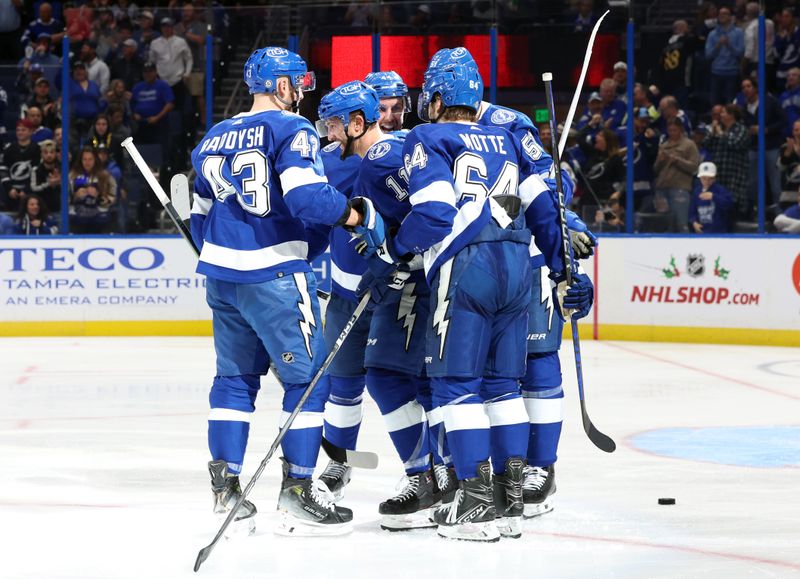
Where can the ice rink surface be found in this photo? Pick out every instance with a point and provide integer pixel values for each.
(103, 453)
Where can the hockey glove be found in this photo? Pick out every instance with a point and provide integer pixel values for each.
(384, 281)
(575, 300)
(371, 229)
(582, 240)
(566, 184)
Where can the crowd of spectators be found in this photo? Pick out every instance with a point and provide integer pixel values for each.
(696, 130)
(133, 71)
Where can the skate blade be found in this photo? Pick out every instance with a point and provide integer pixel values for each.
(240, 528)
(479, 532)
(419, 520)
(290, 526)
(509, 527)
(537, 509)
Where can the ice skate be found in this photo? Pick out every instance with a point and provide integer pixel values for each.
(470, 516)
(411, 508)
(227, 490)
(446, 483)
(336, 477)
(508, 498)
(307, 510)
(538, 489)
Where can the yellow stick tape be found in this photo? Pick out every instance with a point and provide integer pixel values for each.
(108, 328)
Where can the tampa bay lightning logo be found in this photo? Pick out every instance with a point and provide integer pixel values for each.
(502, 117)
(378, 150)
(330, 147)
(277, 51)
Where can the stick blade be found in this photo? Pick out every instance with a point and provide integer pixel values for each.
(600, 440)
(354, 458)
(179, 191)
(202, 556)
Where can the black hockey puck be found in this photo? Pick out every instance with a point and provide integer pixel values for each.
(666, 501)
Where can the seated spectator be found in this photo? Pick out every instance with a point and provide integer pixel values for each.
(669, 109)
(116, 120)
(360, 13)
(34, 218)
(724, 48)
(46, 24)
(421, 18)
(7, 225)
(79, 26)
(774, 121)
(585, 19)
(93, 192)
(641, 100)
(41, 98)
(787, 46)
(789, 220)
(105, 32)
(711, 204)
(790, 100)
(41, 55)
(46, 176)
(107, 162)
(614, 110)
(789, 163)
(675, 167)
(85, 99)
(152, 99)
(125, 10)
(620, 76)
(40, 133)
(29, 75)
(97, 69)
(101, 135)
(604, 169)
(699, 134)
(19, 159)
(128, 67)
(728, 142)
(611, 217)
(119, 95)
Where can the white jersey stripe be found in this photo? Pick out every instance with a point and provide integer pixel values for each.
(465, 417)
(201, 205)
(407, 415)
(253, 259)
(343, 416)
(302, 420)
(348, 281)
(530, 189)
(466, 215)
(229, 415)
(295, 177)
(441, 191)
(544, 410)
(507, 412)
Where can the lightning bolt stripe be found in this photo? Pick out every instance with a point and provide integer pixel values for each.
(405, 311)
(546, 296)
(307, 321)
(440, 322)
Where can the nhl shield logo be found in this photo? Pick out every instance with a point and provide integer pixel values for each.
(287, 357)
(695, 264)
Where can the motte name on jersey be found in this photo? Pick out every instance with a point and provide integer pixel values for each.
(484, 143)
(236, 140)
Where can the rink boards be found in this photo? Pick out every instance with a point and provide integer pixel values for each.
(660, 288)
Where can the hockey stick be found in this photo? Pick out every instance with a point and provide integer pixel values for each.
(562, 143)
(206, 551)
(599, 439)
(179, 213)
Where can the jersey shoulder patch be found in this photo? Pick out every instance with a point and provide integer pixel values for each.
(331, 147)
(502, 116)
(378, 150)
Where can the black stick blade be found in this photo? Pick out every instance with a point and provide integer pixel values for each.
(354, 458)
(202, 556)
(599, 439)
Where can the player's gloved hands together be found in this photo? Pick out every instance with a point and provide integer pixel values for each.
(575, 300)
(371, 228)
(582, 240)
(384, 281)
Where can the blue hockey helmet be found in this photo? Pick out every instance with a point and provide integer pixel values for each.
(443, 56)
(389, 84)
(345, 99)
(456, 84)
(266, 65)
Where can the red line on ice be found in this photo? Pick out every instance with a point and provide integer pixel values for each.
(697, 550)
(702, 371)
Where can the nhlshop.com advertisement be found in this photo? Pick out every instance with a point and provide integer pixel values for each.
(695, 282)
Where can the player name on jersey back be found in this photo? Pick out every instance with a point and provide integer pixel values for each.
(251, 137)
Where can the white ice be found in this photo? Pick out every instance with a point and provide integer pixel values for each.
(103, 454)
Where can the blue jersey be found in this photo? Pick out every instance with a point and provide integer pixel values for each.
(346, 265)
(259, 181)
(520, 125)
(454, 169)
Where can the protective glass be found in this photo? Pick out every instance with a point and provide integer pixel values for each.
(306, 82)
(422, 107)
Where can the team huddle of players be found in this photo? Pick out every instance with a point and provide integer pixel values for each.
(453, 229)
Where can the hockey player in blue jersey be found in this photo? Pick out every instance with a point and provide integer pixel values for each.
(466, 197)
(259, 182)
(541, 385)
(395, 347)
(394, 99)
(343, 410)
